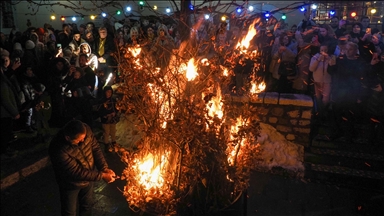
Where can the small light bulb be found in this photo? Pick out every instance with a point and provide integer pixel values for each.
(314, 7)
(250, 8)
(93, 17)
(168, 10)
(154, 7)
(373, 11)
(53, 17)
(129, 8)
(73, 19)
(206, 16)
(103, 14)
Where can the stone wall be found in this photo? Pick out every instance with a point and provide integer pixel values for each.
(290, 114)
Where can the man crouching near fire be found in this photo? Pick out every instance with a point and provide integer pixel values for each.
(78, 162)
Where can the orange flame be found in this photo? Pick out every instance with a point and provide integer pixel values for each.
(191, 70)
(150, 174)
(232, 150)
(244, 44)
(215, 107)
(135, 51)
(205, 62)
(225, 72)
(257, 88)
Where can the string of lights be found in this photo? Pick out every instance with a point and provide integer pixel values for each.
(240, 9)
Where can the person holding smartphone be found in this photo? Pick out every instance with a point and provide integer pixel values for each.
(379, 45)
(59, 51)
(367, 49)
(322, 79)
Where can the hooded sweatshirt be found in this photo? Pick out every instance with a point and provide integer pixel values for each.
(92, 58)
(320, 69)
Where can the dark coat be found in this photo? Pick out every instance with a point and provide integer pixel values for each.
(10, 104)
(29, 86)
(75, 165)
(90, 77)
(109, 47)
(75, 84)
(107, 107)
(349, 77)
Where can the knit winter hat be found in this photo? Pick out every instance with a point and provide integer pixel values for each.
(4, 52)
(17, 46)
(29, 44)
(76, 32)
(40, 31)
(106, 88)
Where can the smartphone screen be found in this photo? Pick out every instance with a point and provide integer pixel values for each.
(58, 45)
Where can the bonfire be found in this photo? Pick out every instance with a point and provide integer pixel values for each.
(198, 147)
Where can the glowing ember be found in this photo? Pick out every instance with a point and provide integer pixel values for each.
(257, 88)
(205, 62)
(215, 107)
(191, 70)
(159, 98)
(135, 51)
(234, 151)
(225, 72)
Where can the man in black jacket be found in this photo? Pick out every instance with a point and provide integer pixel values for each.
(75, 154)
(104, 47)
(9, 105)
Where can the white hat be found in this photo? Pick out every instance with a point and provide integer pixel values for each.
(29, 44)
(118, 25)
(17, 46)
(4, 52)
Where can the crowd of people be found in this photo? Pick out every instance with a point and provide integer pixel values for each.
(52, 76)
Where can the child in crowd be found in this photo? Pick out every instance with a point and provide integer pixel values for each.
(322, 79)
(109, 116)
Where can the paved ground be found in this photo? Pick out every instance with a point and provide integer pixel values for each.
(268, 195)
(32, 189)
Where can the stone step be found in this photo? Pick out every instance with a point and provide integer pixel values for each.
(354, 160)
(360, 145)
(349, 154)
(345, 176)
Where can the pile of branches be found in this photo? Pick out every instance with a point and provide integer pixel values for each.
(175, 121)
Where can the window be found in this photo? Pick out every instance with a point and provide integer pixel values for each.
(7, 14)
